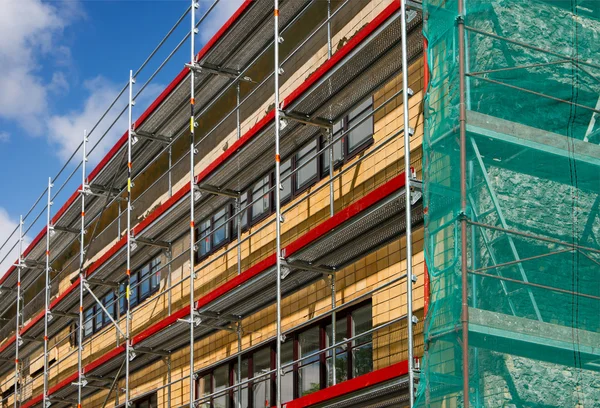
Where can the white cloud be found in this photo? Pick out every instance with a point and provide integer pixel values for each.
(66, 131)
(29, 30)
(217, 17)
(7, 226)
(4, 137)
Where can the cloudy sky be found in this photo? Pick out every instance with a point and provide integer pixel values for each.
(62, 63)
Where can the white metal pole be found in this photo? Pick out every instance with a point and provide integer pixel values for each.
(129, 242)
(277, 201)
(83, 192)
(193, 32)
(18, 329)
(47, 290)
(408, 176)
(330, 136)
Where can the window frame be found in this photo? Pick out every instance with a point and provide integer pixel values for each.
(294, 338)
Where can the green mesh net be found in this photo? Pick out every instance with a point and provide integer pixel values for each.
(532, 176)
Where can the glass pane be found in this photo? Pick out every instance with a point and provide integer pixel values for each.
(361, 322)
(286, 169)
(260, 196)
(287, 381)
(220, 382)
(122, 300)
(244, 215)
(155, 271)
(145, 282)
(204, 238)
(88, 323)
(363, 131)
(109, 304)
(337, 147)
(309, 344)
(308, 374)
(341, 369)
(362, 359)
(222, 232)
(98, 318)
(309, 171)
(133, 298)
(340, 334)
(244, 391)
(204, 389)
(261, 389)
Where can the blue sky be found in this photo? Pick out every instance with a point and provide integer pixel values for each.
(61, 64)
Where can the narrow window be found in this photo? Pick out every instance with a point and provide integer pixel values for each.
(261, 198)
(362, 135)
(306, 165)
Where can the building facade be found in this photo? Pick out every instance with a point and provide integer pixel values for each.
(343, 223)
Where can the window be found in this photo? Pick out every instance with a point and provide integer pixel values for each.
(257, 201)
(306, 163)
(286, 183)
(144, 283)
(355, 140)
(362, 134)
(353, 358)
(204, 238)
(220, 223)
(261, 198)
(150, 401)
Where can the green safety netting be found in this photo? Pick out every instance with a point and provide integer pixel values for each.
(532, 93)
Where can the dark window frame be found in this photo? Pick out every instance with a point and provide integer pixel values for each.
(344, 314)
(119, 303)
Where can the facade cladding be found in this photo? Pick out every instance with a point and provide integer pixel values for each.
(503, 206)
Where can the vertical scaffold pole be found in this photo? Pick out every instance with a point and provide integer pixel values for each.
(463, 204)
(129, 242)
(330, 138)
(407, 185)
(18, 318)
(277, 201)
(193, 32)
(82, 193)
(238, 201)
(47, 291)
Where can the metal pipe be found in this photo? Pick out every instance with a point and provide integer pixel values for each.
(463, 204)
(47, 292)
(193, 31)
(333, 331)
(277, 201)
(81, 270)
(239, 364)
(407, 180)
(129, 241)
(238, 201)
(17, 401)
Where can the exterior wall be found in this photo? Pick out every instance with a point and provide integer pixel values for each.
(389, 345)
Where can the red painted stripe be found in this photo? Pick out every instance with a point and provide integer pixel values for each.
(103, 359)
(107, 255)
(355, 384)
(345, 50)
(162, 324)
(8, 343)
(182, 192)
(36, 400)
(374, 196)
(236, 146)
(67, 381)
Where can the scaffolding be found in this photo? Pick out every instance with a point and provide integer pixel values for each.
(512, 193)
(377, 52)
